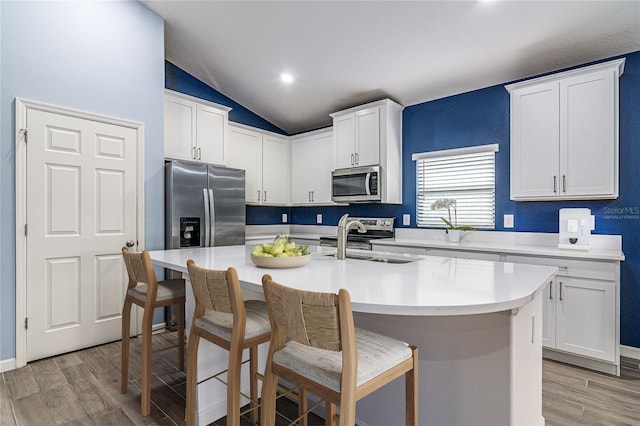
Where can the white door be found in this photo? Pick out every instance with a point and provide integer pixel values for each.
(368, 137)
(81, 195)
(588, 154)
(325, 161)
(535, 142)
(276, 169)
(585, 318)
(179, 128)
(211, 134)
(302, 164)
(245, 152)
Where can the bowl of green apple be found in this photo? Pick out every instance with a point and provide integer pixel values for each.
(282, 253)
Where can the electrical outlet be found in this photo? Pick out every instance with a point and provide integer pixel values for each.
(508, 221)
(319, 218)
(284, 218)
(406, 219)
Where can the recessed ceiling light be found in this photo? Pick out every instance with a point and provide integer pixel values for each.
(286, 77)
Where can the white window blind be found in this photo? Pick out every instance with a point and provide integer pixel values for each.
(465, 175)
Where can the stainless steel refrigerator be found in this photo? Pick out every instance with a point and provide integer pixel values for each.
(204, 207)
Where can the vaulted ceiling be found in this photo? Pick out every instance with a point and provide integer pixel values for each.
(344, 53)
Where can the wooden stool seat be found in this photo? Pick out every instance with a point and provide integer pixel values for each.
(315, 346)
(147, 292)
(221, 317)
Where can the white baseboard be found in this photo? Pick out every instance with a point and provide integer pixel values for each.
(7, 365)
(158, 328)
(630, 352)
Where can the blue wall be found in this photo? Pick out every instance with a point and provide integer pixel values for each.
(180, 81)
(105, 57)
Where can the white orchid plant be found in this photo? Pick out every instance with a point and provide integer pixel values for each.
(449, 204)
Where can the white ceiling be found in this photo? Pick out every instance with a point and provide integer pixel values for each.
(345, 53)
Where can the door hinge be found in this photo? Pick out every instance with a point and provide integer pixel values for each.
(26, 229)
(24, 132)
(26, 323)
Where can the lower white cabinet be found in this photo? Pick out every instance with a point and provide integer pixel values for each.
(265, 157)
(585, 317)
(580, 309)
(580, 312)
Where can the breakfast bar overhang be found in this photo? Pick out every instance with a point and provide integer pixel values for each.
(478, 325)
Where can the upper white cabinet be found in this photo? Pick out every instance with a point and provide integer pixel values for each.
(312, 161)
(265, 157)
(369, 135)
(564, 135)
(194, 129)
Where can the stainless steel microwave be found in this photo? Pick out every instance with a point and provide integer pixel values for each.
(356, 185)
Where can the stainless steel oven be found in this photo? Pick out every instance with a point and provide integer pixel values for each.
(356, 185)
(377, 227)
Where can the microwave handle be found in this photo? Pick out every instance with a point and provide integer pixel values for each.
(367, 187)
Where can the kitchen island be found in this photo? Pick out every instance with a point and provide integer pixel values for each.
(477, 324)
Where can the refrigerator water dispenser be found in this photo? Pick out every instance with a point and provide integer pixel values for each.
(189, 232)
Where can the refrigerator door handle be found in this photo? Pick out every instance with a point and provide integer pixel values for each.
(207, 224)
(212, 211)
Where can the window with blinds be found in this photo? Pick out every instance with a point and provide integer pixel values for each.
(466, 175)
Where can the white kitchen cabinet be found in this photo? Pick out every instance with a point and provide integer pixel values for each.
(358, 138)
(369, 135)
(276, 169)
(564, 134)
(265, 158)
(580, 310)
(195, 129)
(312, 161)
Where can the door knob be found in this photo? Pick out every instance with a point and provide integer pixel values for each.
(130, 243)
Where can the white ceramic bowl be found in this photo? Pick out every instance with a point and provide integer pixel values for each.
(280, 262)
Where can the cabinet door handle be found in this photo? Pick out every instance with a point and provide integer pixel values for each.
(550, 290)
(564, 184)
(199, 153)
(309, 196)
(193, 152)
(357, 159)
(352, 163)
(555, 184)
(265, 196)
(313, 193)
(258, 195)
(561, 291)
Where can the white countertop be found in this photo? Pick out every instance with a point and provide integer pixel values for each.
(603, 247)
(431, 286)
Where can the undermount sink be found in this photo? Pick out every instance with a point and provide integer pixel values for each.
(380, 259)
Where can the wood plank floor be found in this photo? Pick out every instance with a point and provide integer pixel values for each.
(83, 388)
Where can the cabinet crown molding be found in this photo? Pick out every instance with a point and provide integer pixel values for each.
(617, 64)
(170, 92)
(382, 102)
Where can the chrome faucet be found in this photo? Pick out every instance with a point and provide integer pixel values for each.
(344, 224)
